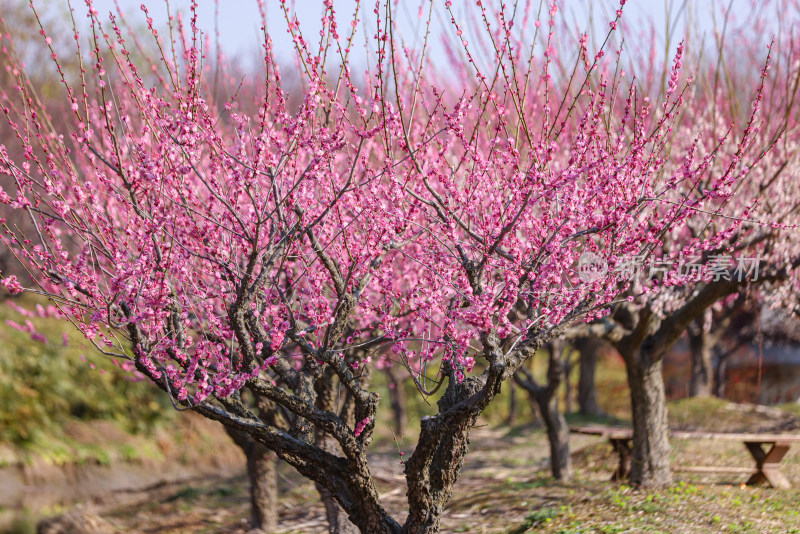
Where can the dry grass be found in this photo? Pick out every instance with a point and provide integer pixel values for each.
(505, 488)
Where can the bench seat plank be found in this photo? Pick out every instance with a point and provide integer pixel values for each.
(712, 469)
(759, 438)
(623, 433)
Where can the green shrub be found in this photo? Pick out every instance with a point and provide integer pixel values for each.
(43, 386)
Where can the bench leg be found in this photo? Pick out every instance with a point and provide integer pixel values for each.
(767, 464)
(623, 448)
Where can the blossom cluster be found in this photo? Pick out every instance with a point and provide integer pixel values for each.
(215, 241)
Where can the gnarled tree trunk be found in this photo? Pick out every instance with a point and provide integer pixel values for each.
(546, 398)
(338, 521)
(650, 451)
(557, 436)
(436, 463)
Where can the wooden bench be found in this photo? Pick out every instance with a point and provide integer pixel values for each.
(767, 451)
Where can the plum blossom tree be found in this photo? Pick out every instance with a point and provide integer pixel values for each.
(546, 397)
(703, 135)
(756, 259)
(271, 255)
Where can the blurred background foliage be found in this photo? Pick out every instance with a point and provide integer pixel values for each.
(44, 386)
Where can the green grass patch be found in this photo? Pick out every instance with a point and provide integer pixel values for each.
(46, 387)
(537, 518)
(593, 507)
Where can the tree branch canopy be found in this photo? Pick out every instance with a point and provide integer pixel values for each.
(281, 238)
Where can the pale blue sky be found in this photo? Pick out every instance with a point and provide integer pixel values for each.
(239, 20)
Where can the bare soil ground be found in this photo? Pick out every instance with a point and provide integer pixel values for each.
(505, 488)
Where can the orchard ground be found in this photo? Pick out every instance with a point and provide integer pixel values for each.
(504, 488)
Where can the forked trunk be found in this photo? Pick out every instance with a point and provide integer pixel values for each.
(436, 463)
(545, 397)
(338, 520)
(557, 435)
(650, 451)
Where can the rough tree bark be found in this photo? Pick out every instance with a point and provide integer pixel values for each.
(262, 476)
(643, 348)
(434, 467)
(546, 398)
(338, 522)
(650, 451)
(588, 348)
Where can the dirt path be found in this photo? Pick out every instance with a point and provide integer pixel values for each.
(505, 488)
(219, 504)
